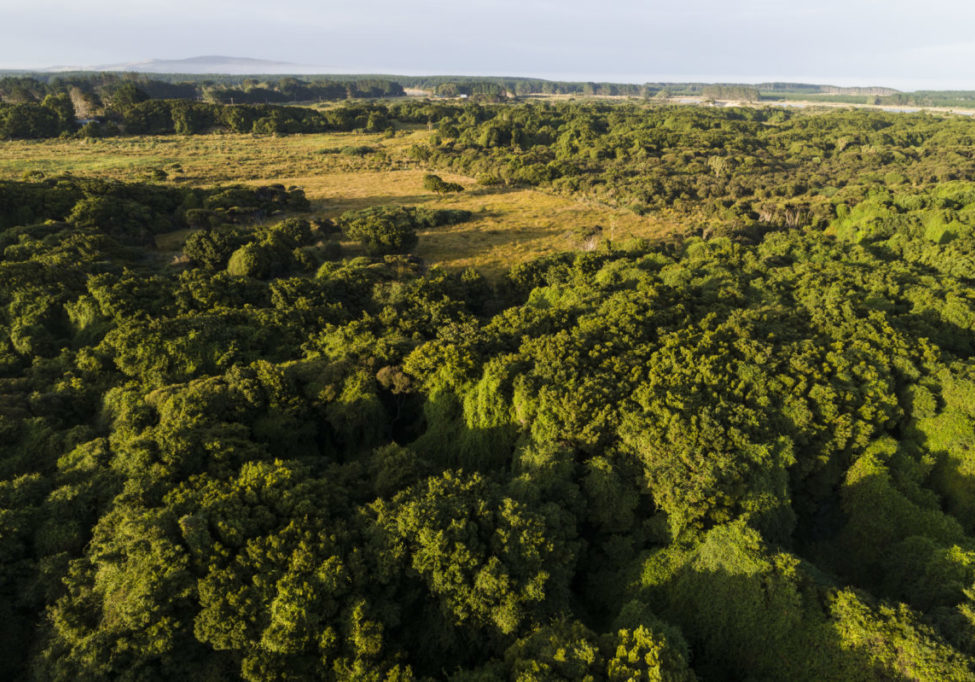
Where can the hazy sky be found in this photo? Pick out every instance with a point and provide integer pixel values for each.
(909, 44)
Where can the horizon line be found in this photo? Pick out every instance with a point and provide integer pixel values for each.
(893, 83)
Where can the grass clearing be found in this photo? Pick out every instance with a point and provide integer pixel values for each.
(510, 225)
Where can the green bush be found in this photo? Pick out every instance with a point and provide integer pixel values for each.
(435, 183)
(210, 248)
(381, 229)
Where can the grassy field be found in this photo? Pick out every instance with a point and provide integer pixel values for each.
(510, 225)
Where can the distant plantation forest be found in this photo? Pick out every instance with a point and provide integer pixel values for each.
(94, 89)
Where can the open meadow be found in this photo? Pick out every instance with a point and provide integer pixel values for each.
(510, 225)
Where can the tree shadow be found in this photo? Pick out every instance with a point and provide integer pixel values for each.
(510, 235)
(763, 625)
(450, 442)
(334, 207)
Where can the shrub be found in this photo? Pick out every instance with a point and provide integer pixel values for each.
(435, 183)
(250, 260)
(381, 229)
(209, 248)
(296, 229)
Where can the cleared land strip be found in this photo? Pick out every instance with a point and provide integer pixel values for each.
(510, 225)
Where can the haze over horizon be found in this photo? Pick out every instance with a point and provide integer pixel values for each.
(896, 44)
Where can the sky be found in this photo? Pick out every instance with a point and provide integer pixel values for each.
(916, 44)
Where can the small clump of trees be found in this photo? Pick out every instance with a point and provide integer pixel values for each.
(434, 183)
(393, 229)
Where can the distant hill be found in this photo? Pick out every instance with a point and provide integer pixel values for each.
(205, 64)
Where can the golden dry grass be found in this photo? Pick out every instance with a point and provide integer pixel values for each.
(510, 225)
(205, 159)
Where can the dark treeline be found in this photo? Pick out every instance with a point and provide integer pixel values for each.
(741, 93)
(961, 99)
(295, 90)
(453, 85)
(54, 117)
(720, 459)
(264, 89)
(305, 88)
(96, 88)
(929, 98)
(101, 88)
(481, 90)
(132, 112)
(21, 87)
(92, 92)
(162, 117)
(106, 95)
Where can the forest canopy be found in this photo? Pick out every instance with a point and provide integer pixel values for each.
(743, 452)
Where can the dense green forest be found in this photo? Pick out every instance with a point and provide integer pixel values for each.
(744, 452)
(93, 90)
(737, 168)
(54, 117)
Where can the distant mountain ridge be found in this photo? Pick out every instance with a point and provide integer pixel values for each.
(201, 65)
